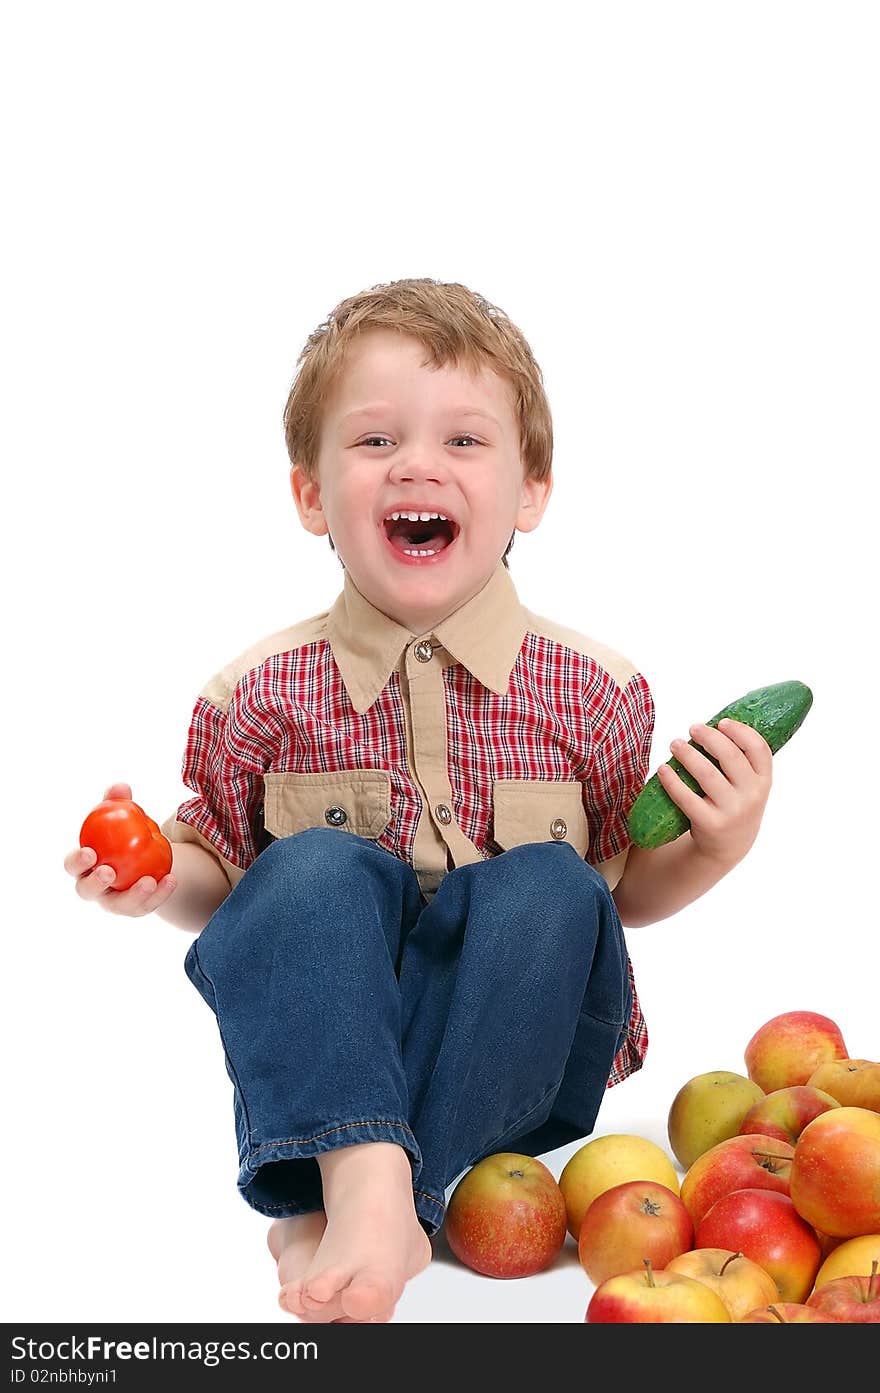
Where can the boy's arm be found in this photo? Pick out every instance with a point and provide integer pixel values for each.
(201, 887)
(724, 823)
(656, 884)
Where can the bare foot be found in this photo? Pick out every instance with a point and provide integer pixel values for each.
(373, 1243)
(293, 1244)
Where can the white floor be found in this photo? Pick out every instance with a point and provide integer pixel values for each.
(449, 1292)
(120, 1201)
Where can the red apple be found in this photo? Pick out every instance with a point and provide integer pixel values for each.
(835, 1172)
(852, 1299)
(629, 1223)
(785, 1112)
(787, 1313)
(766, 1227)
(741, 1283)
(789, 1048)
(610, 1160)
(646, 1297)
(752, 1162)
(855, 1083)
(506, 1216)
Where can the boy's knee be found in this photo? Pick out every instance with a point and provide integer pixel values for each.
(314, 851)
(556, 867)
(327, 861)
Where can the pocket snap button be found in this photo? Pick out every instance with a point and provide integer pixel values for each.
(335, 816)
(558, 829)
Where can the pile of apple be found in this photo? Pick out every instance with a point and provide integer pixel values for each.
(776, 1218)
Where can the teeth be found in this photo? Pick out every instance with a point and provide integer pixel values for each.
(408, 552)
(417, 517)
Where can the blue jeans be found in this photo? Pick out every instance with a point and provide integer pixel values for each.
(350, 1010)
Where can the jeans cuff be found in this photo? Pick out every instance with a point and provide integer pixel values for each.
(431, 1211)
(281, 1178)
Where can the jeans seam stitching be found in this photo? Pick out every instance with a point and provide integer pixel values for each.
(299, 1141)
(433, 1198)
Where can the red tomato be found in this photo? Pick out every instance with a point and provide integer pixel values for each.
(126, 839)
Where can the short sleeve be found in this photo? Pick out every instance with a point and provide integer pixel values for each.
(618, 772)
(227, 784)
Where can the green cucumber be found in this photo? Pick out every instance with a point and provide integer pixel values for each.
(776, 712)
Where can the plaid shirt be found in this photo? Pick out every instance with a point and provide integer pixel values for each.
(497, 728)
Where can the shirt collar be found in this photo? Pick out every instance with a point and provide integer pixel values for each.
(485, 634)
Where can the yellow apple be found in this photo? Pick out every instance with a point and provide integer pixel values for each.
(851, 1258)
(741, 1283)
(855, 1083)
(708, 1109)
(611, 1160)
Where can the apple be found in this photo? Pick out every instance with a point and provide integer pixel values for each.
(506, 1216)
(851, 1258)
(789, 1048)
(740, 1282)
(654, 1298)
(787, 1313)
(853, 1082)
(852, 1299)
(835, 1172)
(631, 1222)
(766, 1227)
(751, 1162)
(611, 1160)
(785, 1112)
(708, 1109)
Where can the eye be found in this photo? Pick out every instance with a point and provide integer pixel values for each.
(383, 439)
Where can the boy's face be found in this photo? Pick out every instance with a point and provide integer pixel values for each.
(399, 436)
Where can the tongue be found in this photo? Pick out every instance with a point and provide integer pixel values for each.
(420, 536)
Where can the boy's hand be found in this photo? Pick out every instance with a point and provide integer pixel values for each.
(724, 823)
(91, 884)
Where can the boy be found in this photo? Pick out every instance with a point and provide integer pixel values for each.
(406, 856)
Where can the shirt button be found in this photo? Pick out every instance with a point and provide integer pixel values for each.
(558, 828)
(335, 816)
(424, 651)
(444, 814)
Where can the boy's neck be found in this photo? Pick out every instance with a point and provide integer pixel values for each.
(418, 624)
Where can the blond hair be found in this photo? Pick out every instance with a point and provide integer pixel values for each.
(455, 325)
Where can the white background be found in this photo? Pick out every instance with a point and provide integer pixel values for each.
(678, 205)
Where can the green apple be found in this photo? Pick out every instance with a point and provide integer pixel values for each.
(709, 1109)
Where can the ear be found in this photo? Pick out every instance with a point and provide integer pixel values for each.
(307, 496)
(534, 497)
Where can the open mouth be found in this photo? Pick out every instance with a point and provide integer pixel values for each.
(419, 536)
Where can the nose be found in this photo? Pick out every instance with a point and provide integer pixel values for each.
(419, 461)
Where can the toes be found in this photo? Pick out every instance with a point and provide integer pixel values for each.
(311, 1303)
(369, 1295)
(290, 1300)
(319, 1289)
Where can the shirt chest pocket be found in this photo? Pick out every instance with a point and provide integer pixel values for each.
(353, 800)
(534, 810)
